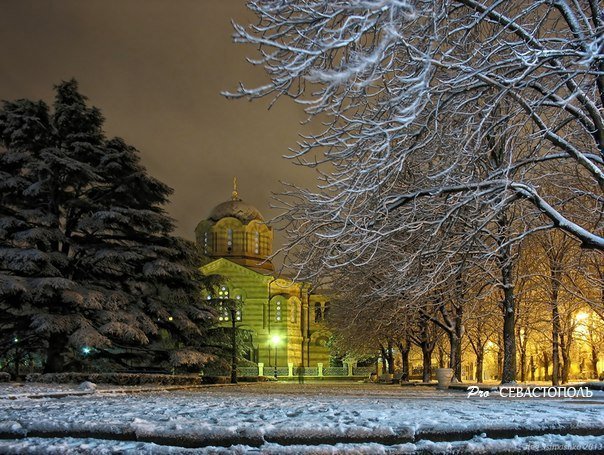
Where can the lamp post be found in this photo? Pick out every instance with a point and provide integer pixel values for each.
(86, 351)
(276, 339)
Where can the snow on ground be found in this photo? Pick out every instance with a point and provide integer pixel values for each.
(546, 444)
(25, 388)
(35, 390)
(292, 418)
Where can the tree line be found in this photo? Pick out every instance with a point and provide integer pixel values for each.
(558, 291)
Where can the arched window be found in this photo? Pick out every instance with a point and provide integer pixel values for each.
(318, 316)
(239, 312)
(278, 310)
(321, 341)
(264, 245)
(229, 240)
(256, 242)
(325, 310)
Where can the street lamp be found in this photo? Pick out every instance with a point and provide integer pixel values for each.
(233, 310)
(276, 339)
(86, 351)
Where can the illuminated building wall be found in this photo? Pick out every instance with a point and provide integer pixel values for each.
(237, 242)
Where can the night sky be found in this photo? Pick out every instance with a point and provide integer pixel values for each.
(156, 68)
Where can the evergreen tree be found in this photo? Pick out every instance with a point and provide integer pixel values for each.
(88, 265)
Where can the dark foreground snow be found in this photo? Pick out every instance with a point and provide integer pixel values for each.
(291, 418)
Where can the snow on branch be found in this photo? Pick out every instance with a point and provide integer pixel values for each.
(438, 118)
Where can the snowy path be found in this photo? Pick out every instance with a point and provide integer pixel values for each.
(276, 418)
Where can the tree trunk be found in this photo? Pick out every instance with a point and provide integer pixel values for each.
(427, 344)
(455, 336)
(404, 348)
(555, 331)
(545, 365)
(594, 362)
(566, 341)
(390, 355)
(566, 362)
(522, 362)
(405, 362)
(234, 346)
(384, 366)
(508, 374)
(427, 363)
(459, 331)
(499, 357)
(532, 367)
(479, 365)
(508, 305)
(55, 363)
(455, 356)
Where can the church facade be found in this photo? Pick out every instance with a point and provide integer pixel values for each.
(284, 317)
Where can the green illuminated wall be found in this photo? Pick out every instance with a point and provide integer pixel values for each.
(276, 307)
(237, 243)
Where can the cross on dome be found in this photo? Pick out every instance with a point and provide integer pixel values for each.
(235, 194)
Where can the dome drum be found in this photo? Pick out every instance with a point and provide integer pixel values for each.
(237, 231)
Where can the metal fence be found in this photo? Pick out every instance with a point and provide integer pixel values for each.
(335, 371)
(362, 371)
(215, 372)
(284, 371)
(281, 371)
(247, 371)
(311, 371)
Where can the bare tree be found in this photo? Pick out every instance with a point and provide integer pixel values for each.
(481, 327)
(592, 334)
(436, 113)
(386, 75)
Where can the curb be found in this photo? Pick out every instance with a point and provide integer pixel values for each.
(256, 439)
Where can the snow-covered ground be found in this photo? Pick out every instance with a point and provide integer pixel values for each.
(32, 390)
(292, 418)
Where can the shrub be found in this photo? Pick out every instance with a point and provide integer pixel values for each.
(114, 378)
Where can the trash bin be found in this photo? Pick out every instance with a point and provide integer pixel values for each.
(444, 376)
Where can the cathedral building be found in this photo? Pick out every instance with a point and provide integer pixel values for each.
(284, 317)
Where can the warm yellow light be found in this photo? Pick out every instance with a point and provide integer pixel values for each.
(581, 316)
(276, 339)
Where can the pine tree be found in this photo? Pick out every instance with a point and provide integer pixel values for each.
(87, 258)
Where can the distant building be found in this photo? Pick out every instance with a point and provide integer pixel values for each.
(284, 317)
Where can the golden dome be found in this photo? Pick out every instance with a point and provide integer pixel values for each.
(236, 209)
(237, 231)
